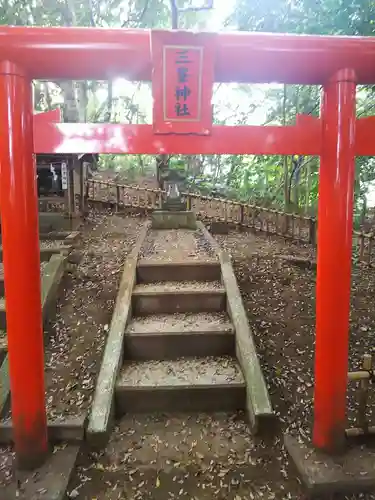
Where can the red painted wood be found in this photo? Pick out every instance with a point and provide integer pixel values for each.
(335, 227)
(20, 240)
(182, 81)
(48, 137)
(303, 138)
(240, 57)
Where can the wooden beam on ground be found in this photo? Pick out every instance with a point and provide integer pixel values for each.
(102, 409)
(259, 404)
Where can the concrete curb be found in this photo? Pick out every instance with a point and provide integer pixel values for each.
(102, 409)
(70, 430)
(52, 275)
(68, 236)
(257, 399)
(46, 253)
(51, 280)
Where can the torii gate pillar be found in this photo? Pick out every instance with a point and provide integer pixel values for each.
(335, 226)
(20, 238)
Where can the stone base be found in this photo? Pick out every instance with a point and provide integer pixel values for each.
(174, 205)
(49, 482)
(322, 474)
(163, 219)
(219, 228)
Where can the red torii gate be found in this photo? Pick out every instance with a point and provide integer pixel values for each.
(338, 63)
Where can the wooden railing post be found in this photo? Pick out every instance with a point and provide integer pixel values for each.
(86, 197)
(312, 232)
(369, 248)
(117, 197)
(242, 217)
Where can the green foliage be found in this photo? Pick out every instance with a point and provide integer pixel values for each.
(273, 181)
(334, 17)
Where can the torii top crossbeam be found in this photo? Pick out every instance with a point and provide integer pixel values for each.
(92, 53)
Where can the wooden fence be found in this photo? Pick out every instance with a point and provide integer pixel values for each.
(291, 226)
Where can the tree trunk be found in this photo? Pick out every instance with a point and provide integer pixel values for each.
(162, 161)
(141, 164)
(37, 96)
(363, 210)
(297, 176)
(47, 96)
(308, 188)
(70, 108)
(162, 164)
(82, 101)
(285, 162)
(108, 114)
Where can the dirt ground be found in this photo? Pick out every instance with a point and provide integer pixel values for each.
(201, 457)
(280, 302)
(75, 342)
(74, 350)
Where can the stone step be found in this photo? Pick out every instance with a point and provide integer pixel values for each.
(172, 336)
(185, 384)
(178, 297)
(3, 342)
(150, 271)
(2, 283)
(3, 322)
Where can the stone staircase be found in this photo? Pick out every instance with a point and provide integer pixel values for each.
(179, 347)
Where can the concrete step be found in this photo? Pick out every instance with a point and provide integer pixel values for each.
(3, 342)
(181, 297)
(172, 336)
(150, 271)
(185, 384)
(3, 322)
(2, 284)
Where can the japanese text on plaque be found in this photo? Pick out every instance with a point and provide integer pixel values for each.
(183, 66)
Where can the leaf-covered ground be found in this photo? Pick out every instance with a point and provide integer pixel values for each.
(280, 302)
(205, 457)
(75, 344)
(200, 457)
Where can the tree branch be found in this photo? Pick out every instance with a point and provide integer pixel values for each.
(138, 19)
(91, 14)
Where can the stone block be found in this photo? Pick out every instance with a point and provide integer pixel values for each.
(163, 219)
(325, 475)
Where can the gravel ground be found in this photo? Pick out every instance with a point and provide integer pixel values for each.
(180, 323)
(183, 371)
(176, 244)
(74, 348)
